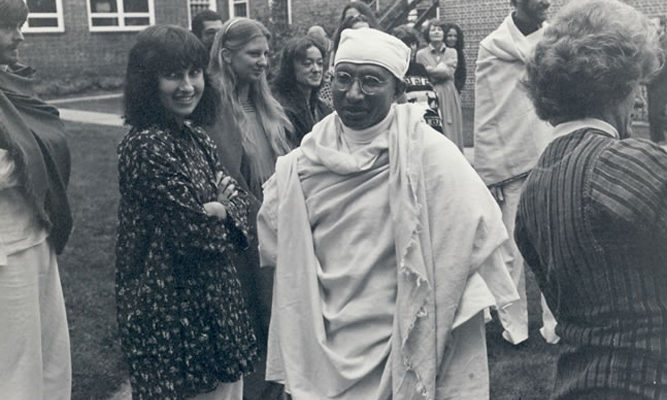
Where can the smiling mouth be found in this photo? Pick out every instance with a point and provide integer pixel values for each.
(185, 99)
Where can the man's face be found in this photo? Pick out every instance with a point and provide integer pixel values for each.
(361, 109)
(533, 10)
(10, 39)
(209, 31)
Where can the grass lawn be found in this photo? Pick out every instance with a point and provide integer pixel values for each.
(87, 265)
(87, 269)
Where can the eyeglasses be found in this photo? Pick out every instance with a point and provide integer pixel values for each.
(368, 84)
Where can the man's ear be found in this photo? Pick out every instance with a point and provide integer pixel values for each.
(226, 55)
(400, 88)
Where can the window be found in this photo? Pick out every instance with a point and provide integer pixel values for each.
(238, 8)
(120, 15)
(45, 16)
(197, 6)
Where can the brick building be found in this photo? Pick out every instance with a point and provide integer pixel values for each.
(478, 18)
(91, 38)
(71, 38)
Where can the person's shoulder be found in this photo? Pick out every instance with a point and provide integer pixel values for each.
(424, 49)
(423, 52)
(630, 180)
(637, 153)
(202, 133)
(151, 138)
(439, 149)
(500, 31)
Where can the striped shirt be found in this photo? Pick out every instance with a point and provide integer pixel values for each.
(592, 225)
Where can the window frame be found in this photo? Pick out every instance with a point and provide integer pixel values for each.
(58, 15)
(212, 5)
(121, 15)
(232, 3)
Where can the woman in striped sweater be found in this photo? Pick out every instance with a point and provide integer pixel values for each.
(592, 220)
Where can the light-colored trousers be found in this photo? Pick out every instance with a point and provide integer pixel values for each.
(514, 318)
(34, 340)
(224, 391)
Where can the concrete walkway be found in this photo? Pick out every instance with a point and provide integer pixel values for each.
(86, 98)
(88, 117)
(91, 117)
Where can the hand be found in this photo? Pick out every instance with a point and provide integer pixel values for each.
(215, 209)
(226, 188)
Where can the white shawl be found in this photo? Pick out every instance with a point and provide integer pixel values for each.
(509, 137)
(448, 233)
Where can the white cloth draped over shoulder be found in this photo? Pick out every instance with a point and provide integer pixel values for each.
(445, 252)
(509, 137)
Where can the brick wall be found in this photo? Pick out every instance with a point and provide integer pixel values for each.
(478, 18)
(326, 13)
(77, 51)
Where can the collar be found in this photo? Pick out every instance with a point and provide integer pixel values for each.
(525, 27)
(571, 126)
(440, 50)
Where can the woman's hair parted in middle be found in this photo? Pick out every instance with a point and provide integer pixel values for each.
(294, 51)
(461, 69)
(591, 57)
(235, 34)
(162, 49)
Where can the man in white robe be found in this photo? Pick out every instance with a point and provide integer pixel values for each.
(509, 138)
(387, 247)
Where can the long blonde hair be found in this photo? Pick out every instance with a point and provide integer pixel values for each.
(234, 34)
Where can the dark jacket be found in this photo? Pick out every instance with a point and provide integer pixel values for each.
(302, 116)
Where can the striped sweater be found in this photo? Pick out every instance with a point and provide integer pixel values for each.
(592, 225)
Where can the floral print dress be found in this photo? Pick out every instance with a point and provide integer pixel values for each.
(183, 322)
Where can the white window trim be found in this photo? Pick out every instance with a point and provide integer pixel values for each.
(121, 15)
(212, 5)
(231, 4)
(40, 29)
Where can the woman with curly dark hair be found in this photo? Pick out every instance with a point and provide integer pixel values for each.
(183, 322)
(592, 219)
(454, 40)
(297, 83)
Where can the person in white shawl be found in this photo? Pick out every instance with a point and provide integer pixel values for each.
(387, 247)
(509, 138)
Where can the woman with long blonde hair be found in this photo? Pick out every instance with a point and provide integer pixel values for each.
(251, 132)
(249, 113)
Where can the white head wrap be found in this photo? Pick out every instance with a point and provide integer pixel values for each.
(371, 46)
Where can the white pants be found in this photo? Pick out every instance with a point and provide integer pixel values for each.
(224, 391)
(464, 374)
(514, 318)
(34, 340)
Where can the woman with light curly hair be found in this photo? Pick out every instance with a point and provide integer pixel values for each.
(592, 220)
